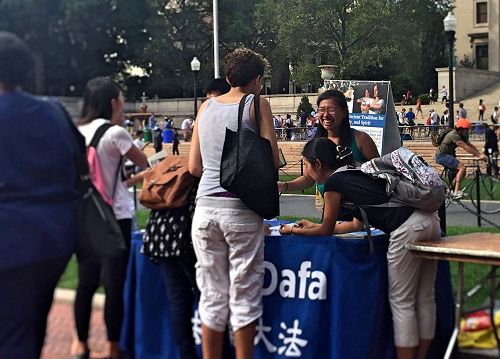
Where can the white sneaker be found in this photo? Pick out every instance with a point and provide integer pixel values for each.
(457, 195)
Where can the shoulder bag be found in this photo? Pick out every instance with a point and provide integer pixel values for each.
(247, 167)
(168, 184)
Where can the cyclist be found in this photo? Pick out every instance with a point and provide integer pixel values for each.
(446, 156)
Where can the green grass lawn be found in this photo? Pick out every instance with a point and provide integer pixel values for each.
(489, 189)
(472, 272)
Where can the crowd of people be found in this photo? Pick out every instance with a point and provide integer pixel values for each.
(214, 255)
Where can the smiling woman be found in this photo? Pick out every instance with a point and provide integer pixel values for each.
(333, 115)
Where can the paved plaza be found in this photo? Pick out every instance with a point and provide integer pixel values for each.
(60, 329)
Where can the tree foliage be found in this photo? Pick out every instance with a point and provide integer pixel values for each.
(75, 40)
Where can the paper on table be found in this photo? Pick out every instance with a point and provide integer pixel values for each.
(275, 231)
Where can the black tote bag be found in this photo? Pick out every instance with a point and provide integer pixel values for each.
(247, 167)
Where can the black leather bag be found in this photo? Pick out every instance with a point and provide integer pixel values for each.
(99, 234)
(247, 167)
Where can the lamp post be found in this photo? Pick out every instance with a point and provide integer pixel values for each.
(290, 68)
(450, 26)
(195, 67)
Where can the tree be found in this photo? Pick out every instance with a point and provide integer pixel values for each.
(75, 40)
(304, 107)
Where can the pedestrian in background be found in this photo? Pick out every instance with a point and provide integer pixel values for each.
(175, 142)
(418, 106)
(38, 201)
(482, 109)
(462, 112)
(444, 94)
(494, 116)
(491, 150)
(216, 87)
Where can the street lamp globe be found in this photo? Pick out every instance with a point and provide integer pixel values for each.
(195, 64)
(450, 22)
(195, 67)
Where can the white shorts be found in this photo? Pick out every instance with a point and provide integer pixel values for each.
(228, 240)
(411, 281)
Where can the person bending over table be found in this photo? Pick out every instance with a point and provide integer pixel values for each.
(334, 124)
(411, 279)
(446, 155)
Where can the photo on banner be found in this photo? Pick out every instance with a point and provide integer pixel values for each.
(371, 109)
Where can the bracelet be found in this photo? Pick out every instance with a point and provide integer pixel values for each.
(286, 186)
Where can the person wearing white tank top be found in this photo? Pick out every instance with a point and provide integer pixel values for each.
(228, 237)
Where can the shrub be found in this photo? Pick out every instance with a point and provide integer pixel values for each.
(424, 98)
(304, 106)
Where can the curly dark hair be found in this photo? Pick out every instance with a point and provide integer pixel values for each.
(242, 66)
(16, 60)
(345, 129)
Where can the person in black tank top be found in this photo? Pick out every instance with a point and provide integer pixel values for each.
(411, 279)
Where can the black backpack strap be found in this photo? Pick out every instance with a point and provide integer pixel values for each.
(95, 141)
(98, 134)
(366, 224)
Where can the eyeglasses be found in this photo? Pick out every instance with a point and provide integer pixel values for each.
(329, 110)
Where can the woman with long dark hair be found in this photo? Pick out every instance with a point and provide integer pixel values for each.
(103, 104)
(333, 115)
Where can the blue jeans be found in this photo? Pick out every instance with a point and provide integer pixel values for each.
(182, 292)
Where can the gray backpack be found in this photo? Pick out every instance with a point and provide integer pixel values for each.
(410, 181)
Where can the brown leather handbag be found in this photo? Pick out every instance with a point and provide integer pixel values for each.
(168, 184)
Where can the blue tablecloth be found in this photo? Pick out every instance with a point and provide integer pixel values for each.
(323, 297)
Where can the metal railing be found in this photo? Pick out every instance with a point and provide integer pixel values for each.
(295, 133)
(408, 133)
(424, 132)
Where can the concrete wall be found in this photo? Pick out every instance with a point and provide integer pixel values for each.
(182, 107)
(467, 81)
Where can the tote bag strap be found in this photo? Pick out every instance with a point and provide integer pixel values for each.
(241, 108)
(256, 107)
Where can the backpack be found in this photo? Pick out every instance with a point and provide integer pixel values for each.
(168, 184)
(436, 139)
(95, 168)
(410, 180)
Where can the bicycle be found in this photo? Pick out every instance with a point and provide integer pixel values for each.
(487, 196)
